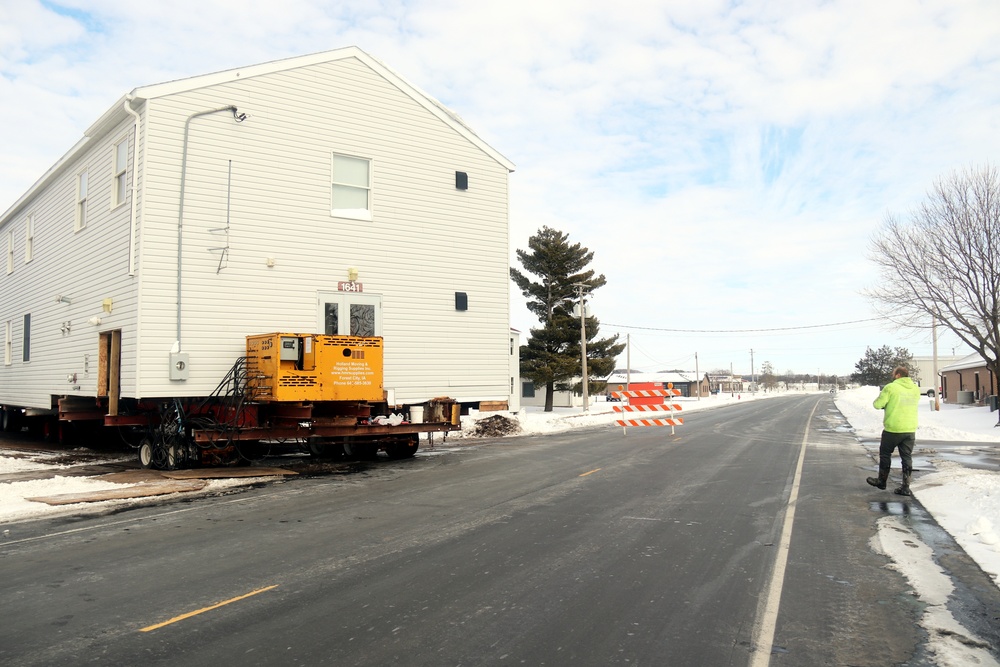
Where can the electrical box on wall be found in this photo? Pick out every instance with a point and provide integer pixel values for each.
(179, 365)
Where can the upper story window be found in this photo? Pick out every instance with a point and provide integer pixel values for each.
(10, 253)
(351, 195)
(29, 238)
(81, 202)
(119, 188)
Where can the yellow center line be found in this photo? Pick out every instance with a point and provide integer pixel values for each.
(149, 628)
(590, 473)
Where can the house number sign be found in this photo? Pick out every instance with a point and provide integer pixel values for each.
(350, 286)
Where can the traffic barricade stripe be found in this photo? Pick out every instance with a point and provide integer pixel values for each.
(676, 421)
(656, 407)
(643, 393)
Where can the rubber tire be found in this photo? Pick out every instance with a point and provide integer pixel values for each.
(146, 453)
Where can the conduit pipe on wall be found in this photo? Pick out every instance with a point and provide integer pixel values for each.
(180, 209)
(135, 179)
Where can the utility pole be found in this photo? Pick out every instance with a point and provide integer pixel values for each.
(934, 371)
(583, 342)
(628, 361)
(697, 376)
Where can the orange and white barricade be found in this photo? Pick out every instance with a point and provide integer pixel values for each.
(657, 418)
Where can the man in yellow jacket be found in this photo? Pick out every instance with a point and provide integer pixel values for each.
(899, 399)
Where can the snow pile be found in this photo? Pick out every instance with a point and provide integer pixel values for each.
(950, 642)
(16, 506)
(966, 503)
(9, 464)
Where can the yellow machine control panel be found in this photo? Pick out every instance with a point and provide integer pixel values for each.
(314, 367)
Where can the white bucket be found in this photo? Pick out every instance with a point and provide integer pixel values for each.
(416, 414)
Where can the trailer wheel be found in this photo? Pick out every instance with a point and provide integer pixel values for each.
(403, 448)
(146, 453)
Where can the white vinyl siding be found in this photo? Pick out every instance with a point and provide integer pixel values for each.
(119, 185)
(8, 343)
(351, 187)
(29, 238)
(80, 221)
(82, 268)
(10, 252)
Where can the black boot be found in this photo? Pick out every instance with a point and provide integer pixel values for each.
(878, 482)
(904, 488)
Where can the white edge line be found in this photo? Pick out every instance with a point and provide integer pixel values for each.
(764, 639)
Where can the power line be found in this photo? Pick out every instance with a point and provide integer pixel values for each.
(725, 331)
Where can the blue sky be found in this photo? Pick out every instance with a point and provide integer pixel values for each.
(727, 162)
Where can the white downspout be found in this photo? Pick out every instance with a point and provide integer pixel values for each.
(135, 179)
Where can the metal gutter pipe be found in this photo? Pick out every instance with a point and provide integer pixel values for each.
(180, 209)
(135, 178)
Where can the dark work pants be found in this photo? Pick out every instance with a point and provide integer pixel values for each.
(890, 441)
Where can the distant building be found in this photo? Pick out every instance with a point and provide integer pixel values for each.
(969, 374)
(726, 384)
(534, 396)
(925, 368)
(686, 381)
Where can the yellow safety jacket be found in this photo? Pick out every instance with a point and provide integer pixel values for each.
(899, 399)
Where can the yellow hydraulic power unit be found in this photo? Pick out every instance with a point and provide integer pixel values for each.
(314, 367)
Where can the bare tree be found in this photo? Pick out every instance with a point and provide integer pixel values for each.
(767, 376)
(943, 263)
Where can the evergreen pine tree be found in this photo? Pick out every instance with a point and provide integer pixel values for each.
(875, 368)
(551, 357)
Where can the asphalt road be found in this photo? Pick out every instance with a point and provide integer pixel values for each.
(585, 548)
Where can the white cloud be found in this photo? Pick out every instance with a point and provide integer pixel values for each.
(701, 145)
